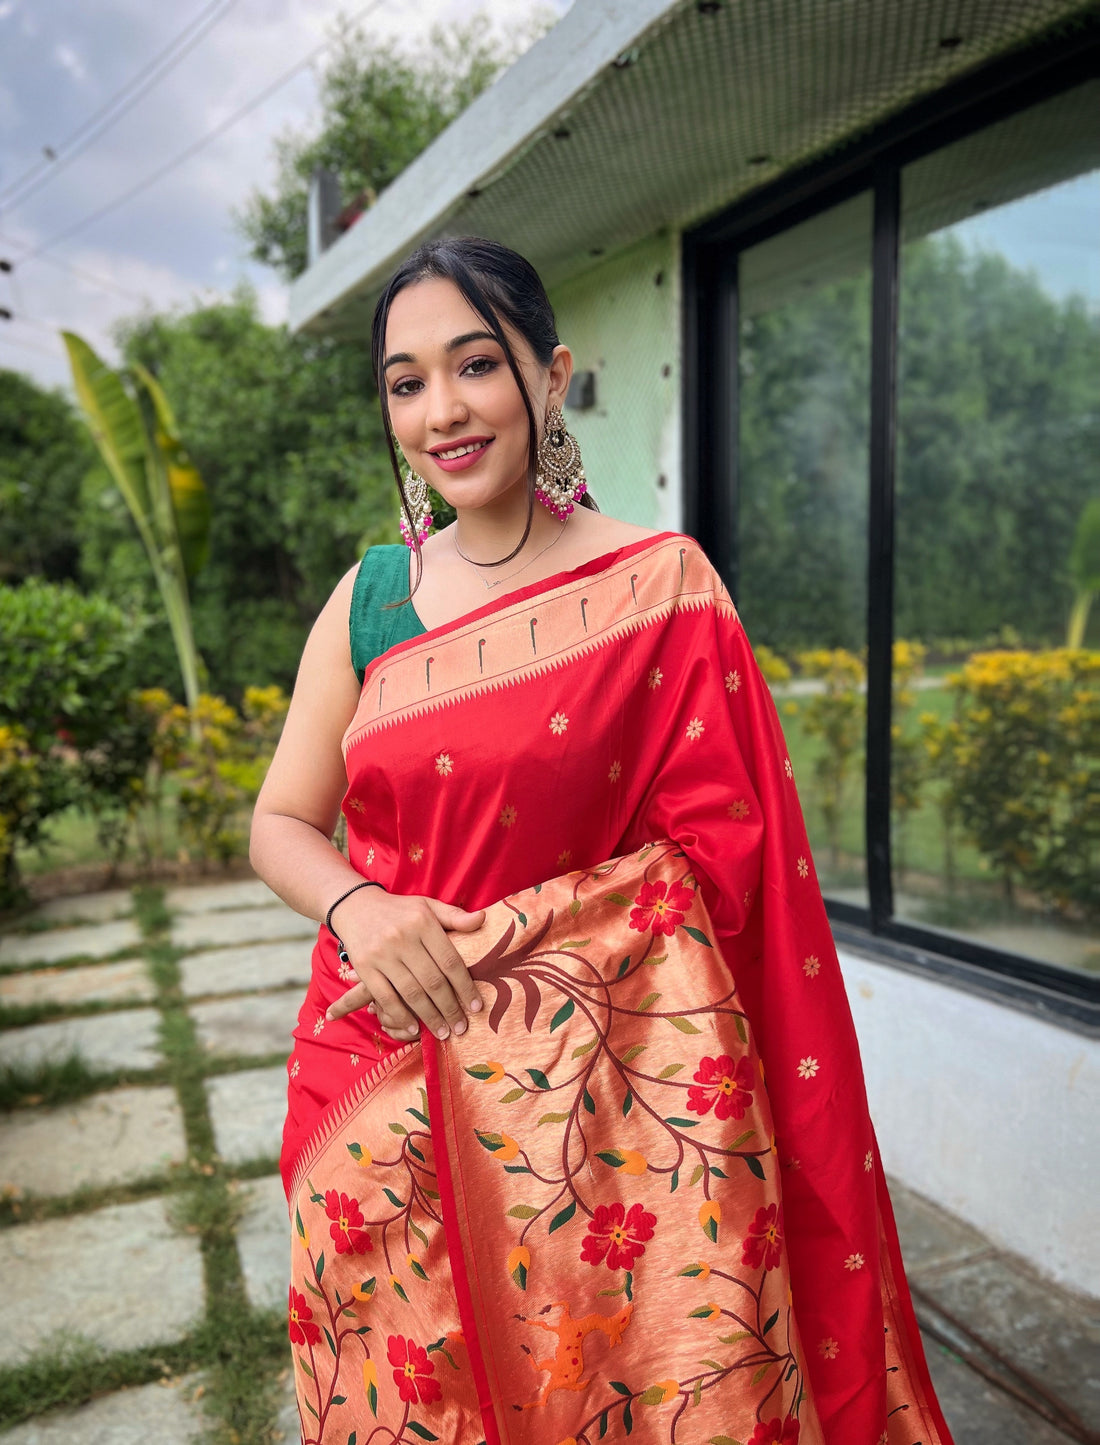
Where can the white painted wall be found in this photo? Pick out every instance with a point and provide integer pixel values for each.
(986, 1110)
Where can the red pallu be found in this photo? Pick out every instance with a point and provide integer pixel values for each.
(648, 1201)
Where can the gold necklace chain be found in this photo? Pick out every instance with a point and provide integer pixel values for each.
(501, 580)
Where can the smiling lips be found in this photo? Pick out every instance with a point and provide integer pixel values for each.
(461, 454)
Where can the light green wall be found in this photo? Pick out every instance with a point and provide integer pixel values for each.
(620, 323)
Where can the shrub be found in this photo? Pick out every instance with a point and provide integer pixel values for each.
(65, 706)
(1024, 770)
(835, 715)
(214, 759)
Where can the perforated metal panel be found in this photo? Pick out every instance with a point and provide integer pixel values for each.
(710, 104)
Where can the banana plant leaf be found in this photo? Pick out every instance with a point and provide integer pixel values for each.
(190, 500)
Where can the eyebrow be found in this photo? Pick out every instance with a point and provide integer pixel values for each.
(406, 358)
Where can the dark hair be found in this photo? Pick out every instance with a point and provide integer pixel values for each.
(501, 286)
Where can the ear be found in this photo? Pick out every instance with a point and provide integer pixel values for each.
(561, 372)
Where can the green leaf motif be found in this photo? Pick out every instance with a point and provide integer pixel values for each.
(603, 1424)
(398, 1129)
(735, 1338)
(618, 1385)
(492, 1142)
(589, 1102)
(648, 1002)
(682, 1123)
(392, 1197)
(755, 1166)
(633, 1052)
(628, 1418)
(421, 1430)
(552, 1119)
(522, 1211)
(319, 1267)
(697, 934)
(512, 1095)
(583, 1049)
(623, 966)
(574, 943)
(684, 1025)
(742, 1032)
(628, 1103)
(771, 1321)
(563, 1216)
(423, 1118)
(611, 1157)
(415, 1152)
(480, 1071)
(696, 1175)
(339, 1399)
(674, 1182)
(516, 1169)
(330, 1340)
(523, 920)
(619, 898)
(565, 1012)
(539, 1078)
(356, 1152)
(668, 1071)
(305, 1368)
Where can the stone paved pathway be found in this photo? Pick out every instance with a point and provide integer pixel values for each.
(98, 1237)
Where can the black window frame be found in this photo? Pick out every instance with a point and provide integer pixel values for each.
(874, 164)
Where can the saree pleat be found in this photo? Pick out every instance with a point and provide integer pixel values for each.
(641, 1195)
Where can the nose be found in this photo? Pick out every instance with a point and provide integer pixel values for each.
(446, 408)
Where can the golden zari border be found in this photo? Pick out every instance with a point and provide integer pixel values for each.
(537, 634)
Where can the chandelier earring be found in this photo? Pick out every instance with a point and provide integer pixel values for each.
(559, 479)
(419, 505)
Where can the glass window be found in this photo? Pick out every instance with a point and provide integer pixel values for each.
(804, 382)
(996, 785)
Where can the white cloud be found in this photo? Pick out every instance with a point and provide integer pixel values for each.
(67, 58)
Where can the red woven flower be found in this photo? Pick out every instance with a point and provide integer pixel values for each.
(302, 1331)
(764, 1244)
(412, 1371)
(346, 1228)
(775, 1432)
(660, 907)
(617, 1234)
(724, 1086)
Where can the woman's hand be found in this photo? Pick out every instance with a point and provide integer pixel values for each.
(408, 968)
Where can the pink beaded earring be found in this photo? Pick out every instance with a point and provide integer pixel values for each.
(419, 505)
(559, 479)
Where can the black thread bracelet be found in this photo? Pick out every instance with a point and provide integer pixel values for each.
(341, 951)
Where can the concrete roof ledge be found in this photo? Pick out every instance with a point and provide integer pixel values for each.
(495, 130)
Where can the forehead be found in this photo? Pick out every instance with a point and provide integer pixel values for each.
(427, 314)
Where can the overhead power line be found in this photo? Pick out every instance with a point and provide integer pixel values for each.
(196, 146)
(56, 158)
(29, 346)
(78, 271)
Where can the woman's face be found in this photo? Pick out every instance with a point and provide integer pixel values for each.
(455, 408)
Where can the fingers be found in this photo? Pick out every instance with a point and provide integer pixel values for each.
(458, 920)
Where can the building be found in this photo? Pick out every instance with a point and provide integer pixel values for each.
(833, 270)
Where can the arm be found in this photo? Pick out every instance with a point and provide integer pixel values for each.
(398, 947)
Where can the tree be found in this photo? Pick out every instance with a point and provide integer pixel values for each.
(44, 455)
(380, 107)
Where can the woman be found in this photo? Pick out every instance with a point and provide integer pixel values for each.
(540, 1189)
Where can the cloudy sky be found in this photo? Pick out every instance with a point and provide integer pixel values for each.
(62, 60)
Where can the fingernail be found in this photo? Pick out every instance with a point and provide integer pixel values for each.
(460, 1028)
(330, 1015)
(475, 1006)
(443, 1033)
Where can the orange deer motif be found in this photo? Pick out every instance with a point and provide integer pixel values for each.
(566, 1364)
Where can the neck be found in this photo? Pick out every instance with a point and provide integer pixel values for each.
(486, 534)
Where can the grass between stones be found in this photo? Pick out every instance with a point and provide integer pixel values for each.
(241, 1351)
(60, 1081)
(22, 1015)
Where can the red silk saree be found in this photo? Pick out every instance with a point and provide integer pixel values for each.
(640, 1197)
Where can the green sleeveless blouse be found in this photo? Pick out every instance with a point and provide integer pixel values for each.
(383, 577)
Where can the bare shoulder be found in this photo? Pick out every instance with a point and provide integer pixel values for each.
(605, 532)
